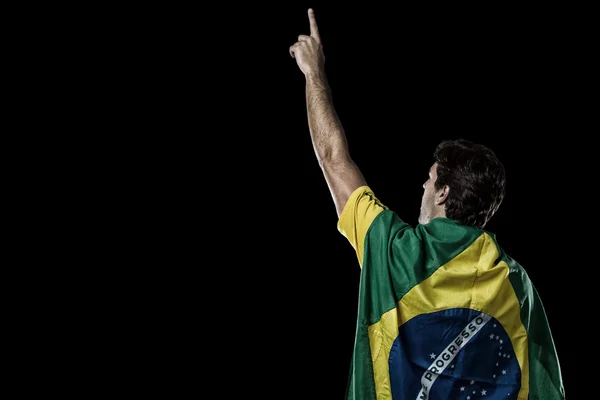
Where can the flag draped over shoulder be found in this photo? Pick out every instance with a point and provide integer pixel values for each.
(443, 313)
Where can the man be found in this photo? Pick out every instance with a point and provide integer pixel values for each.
(444, 312)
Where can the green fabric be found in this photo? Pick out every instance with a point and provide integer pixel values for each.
(545, 379)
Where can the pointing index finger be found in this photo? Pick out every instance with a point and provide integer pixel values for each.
(314, 30)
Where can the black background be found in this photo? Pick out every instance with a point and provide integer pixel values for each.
(236, 278)
(403, 80)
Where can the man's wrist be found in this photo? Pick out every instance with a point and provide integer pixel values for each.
(318, 77)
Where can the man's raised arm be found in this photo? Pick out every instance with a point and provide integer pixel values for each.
(328, 137)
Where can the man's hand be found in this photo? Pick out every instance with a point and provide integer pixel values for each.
(308, 50)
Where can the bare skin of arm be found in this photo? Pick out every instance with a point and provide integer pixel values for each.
(328, 137)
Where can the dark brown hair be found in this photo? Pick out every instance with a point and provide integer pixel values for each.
(476, 179)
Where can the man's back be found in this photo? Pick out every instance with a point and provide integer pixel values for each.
(444, 313)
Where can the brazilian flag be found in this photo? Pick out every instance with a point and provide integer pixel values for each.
(443, 313)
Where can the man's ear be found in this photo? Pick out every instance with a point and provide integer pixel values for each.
(442, 195)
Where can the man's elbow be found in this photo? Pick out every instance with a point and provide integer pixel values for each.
(335, 159)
